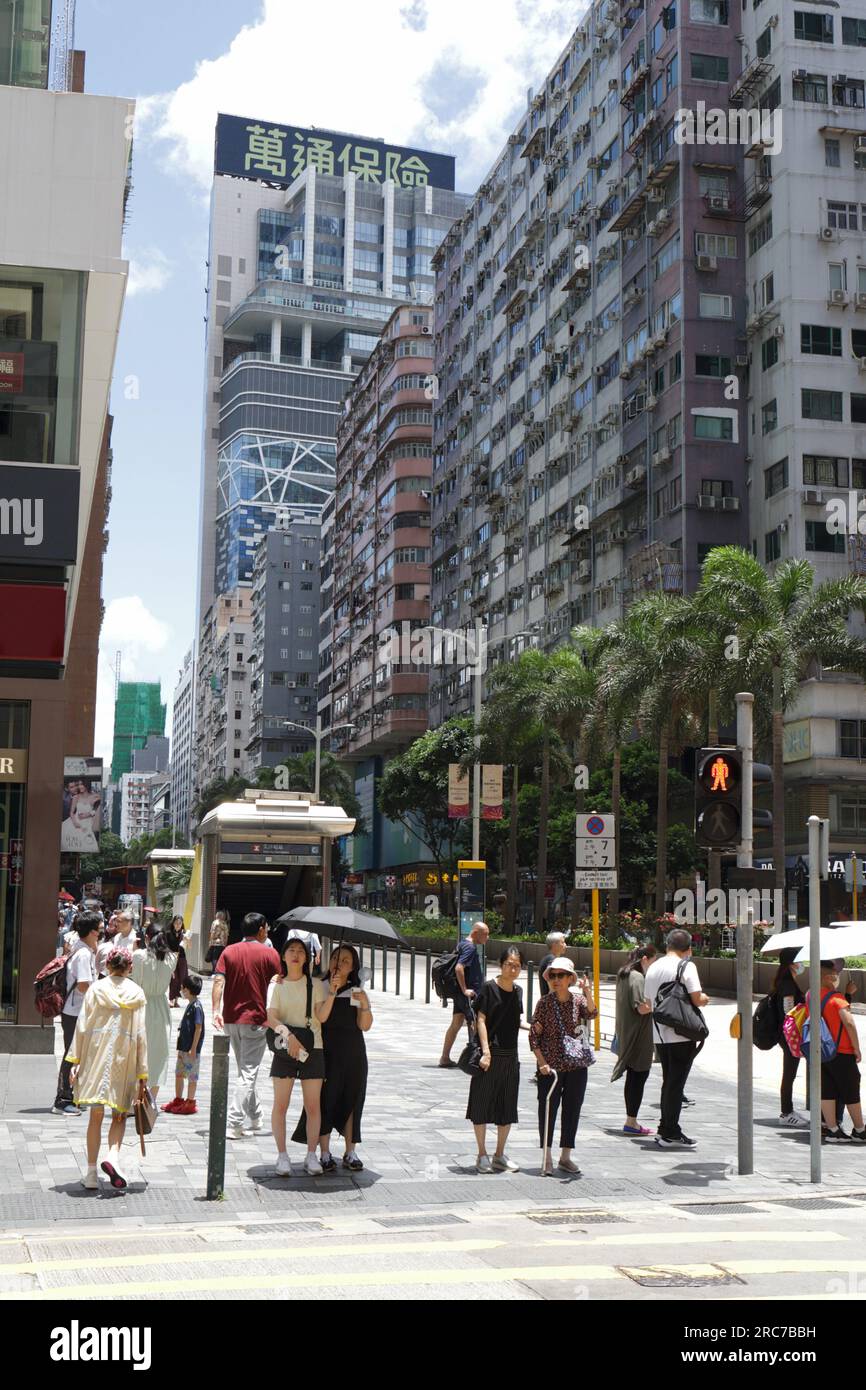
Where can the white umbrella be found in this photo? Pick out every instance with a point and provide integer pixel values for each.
(799, 937)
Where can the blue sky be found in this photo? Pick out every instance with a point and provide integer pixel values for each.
(436, 74)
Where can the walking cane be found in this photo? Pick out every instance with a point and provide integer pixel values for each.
(544, 1168)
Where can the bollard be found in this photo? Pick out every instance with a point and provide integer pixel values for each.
(219, 1104)
(372, 967)
(399, 960)
(384, 970)
(412, 974)
(530, 980)
(427, 968)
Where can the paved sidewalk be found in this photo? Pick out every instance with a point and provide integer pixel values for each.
(418, 1148)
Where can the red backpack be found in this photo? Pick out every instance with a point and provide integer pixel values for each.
(50, 988)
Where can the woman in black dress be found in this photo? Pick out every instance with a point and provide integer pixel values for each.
(498, 1008)
(345, 1062)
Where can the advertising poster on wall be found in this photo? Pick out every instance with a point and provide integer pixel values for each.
(82, 806)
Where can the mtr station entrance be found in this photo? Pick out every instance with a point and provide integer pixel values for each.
(268, 853)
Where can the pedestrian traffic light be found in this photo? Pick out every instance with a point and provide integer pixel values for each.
(718, 797)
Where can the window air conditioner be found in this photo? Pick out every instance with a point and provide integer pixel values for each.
(705, 503)
(707, 263)
(813, 497)
(838, 298)
(827, 233)
(860, 301)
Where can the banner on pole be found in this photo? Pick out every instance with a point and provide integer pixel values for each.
(458, 793)
(491, 792)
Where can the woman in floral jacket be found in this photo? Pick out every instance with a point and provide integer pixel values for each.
(557, 1037)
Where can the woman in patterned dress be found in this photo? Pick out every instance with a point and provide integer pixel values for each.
(152, 969)
(109, 1061)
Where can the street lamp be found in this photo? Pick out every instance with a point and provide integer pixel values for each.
(319, 735)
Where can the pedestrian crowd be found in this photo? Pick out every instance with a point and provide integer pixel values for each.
(272, 993)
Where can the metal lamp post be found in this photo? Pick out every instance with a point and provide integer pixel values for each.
(319, 735)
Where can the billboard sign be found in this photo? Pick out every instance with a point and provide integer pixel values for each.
(278, 154)
(39, 513)
(82, 806)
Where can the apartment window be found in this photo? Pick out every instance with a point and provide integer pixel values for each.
(822, 471)
(40, 330)
(820, 341)
(769, 417)
(776, 478)
(711, 244)
(822, 541)
(772, 546)
(813, 28)
(852, 738)
(761, 235)
(854, 32)
(852, 813)
(713, 185)
(858, 342)
(765, 292)
(812, 87)
(715, 306)
(709, 11)
(858, 474)
(832, 154)
(851, 93)
(838, 276)
(676, 367)
(716, 487)
(769, 353)
(842, 216)
(764, 43)
(715, 367)
(718, 427)
(858, 409)
(709, 67)
(669, 253)
(821, 405)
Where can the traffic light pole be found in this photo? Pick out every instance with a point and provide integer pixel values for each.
(745, 950)
(814, 1060)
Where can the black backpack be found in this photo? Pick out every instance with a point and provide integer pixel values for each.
(674, 1009)
(767, 1023)
(444, 975)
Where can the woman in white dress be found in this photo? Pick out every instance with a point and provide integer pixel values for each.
(152, 969)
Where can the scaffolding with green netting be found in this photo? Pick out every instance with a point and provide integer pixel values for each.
(138, 713)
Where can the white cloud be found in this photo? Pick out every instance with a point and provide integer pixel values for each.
(130, 628)
(149, 272)
(446, 76)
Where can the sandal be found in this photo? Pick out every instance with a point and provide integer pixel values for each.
(354, 1163)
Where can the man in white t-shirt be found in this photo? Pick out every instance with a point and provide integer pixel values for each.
(80, 974)
(125, 938)
(676, 1054)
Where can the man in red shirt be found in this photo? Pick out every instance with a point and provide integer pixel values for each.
(240, 991)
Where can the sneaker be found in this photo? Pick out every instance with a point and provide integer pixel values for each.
(501, 1163)
(173, 1107)
(683, 1141)
(65, 1110)
(635, 1130)
(794, 1121)
(234, 1132)
(284, 1166)
(312, 1166)
(835, 1136)
(329, 1163)
(187, 1107)
(115, 1177)
(90, 1180)
(483, 1164)
(352, 1162)
(686, 1102)
(858, 1136)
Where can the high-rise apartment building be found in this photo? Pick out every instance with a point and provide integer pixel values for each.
(805, 287)
(587, 316)
(222, 690)
(138, 714)
(284, 655)
(62, 282)
(182, 728)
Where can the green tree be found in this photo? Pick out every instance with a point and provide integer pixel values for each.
(413, 788)
(221, 789)
(174, 879)
(785, 627)
(336, 783)
(112, 852)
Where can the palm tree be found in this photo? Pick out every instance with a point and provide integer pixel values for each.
(649, 660)
(506, 739)
(336, 785)
(785, 626)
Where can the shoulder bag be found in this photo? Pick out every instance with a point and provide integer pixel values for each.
(144, 1112)
(674, 1009)
(575, 1050)
(277, 1043)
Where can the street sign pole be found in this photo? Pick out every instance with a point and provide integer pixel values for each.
(596, 964)
(745, 952)
(854, 886)
(595, 868)
(814, 824)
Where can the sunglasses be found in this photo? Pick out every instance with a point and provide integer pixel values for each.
(559, 974)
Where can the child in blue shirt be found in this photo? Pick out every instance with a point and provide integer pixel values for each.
(190, 1039)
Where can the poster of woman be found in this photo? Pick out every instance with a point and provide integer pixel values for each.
(82, 806)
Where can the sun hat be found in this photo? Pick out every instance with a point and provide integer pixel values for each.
(560, 964)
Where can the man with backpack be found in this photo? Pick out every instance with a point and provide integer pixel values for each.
(840, 1073)
(468, 977)
(674, 971)
(80, 974)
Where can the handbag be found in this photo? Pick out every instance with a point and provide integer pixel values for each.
(575, 1050)
(674, 1009)
(144, 1112)
(470, 1058)
(277, 1043)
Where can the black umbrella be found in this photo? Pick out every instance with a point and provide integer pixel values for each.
(360, 928)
